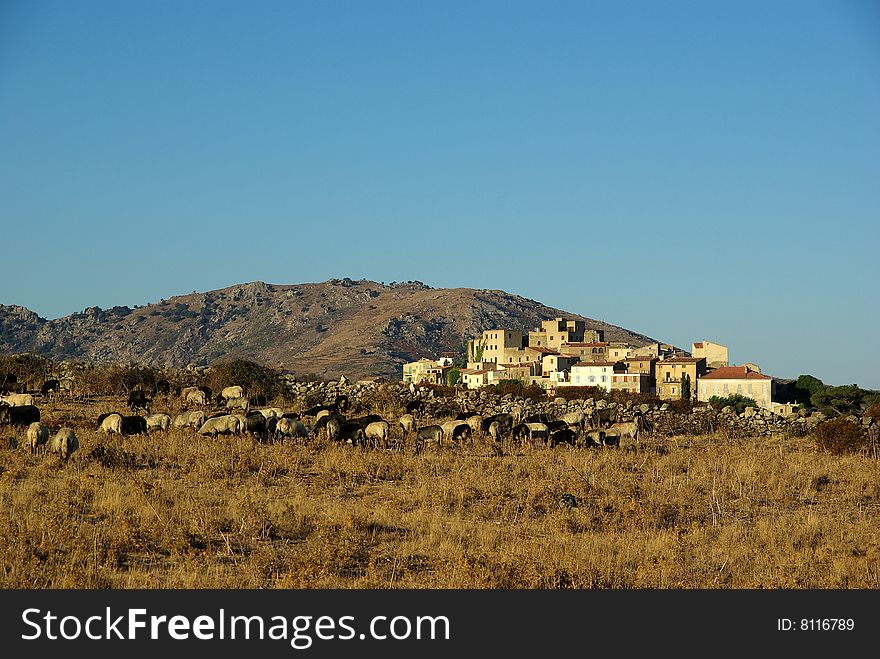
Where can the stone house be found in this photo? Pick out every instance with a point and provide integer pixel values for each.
(714, 353)
(594, 374)
(670, 371)
(634, 383)
(742, 380)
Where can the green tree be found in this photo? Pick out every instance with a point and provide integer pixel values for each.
(453, 376)
(805, 387)
(844, 400)
(685, 387)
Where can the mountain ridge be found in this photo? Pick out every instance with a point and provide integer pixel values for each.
(338, 327)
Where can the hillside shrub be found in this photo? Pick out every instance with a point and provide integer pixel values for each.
(840, 437)
(580, 393)
(737, 401)
(29, 369)
(254, 378)
(518, 389)
(681, 406)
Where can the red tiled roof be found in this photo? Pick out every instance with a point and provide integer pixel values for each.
(735, 373)
(698, 345)
(593, 364)
(637, 358)
(682, 360)
(596, 344)
(542, 349)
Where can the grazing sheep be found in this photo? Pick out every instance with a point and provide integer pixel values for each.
(320, 415)
(17, 400)
(196, 396)
(538, 431)
(238, 404)
(333, 426)
(158, 422)
(64, 442)
(594, 437)
(353, 433)
(232, 392)
(566, 435)
(456, 429)
(630, 429)
(504, 420)
(574, 420)
(190, 419)
(432, 434)
(37, 436)
(19, 416)
(134, 425)
(496, 431)
(407, 423)
(377, 434)
(290, 428)
(475, 421)
(221, 425)
(272, 412)
(111, 423)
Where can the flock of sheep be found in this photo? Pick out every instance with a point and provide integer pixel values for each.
(370, 430)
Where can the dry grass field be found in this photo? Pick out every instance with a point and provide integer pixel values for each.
(174, 510)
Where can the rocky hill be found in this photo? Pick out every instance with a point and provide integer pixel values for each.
(333, 328)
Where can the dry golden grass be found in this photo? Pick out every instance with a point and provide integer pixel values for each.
(176, 510)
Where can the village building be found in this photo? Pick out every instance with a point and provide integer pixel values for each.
(591, 351)
(556, 362)
(497, 346)
(742, 380)
(427, 371)
(671, 371)
(644, 365)
(553, 333)
(618, 350)
(473, 378)
(522, 372)
(714, 353)
(594, 374)
(659, 350)
(633, 383)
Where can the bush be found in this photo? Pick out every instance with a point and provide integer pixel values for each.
(840, 437)
(737, 401)
(252, 377)
(874, 412)
(681, 406)
(518, 389)
(580, 393)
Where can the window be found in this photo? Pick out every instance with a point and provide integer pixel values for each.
(673, 391)
(750, 387)
(592, 378)
(725, 388)
(739, 388)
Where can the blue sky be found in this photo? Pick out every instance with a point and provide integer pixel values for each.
(689, 170)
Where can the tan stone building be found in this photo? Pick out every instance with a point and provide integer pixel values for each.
(658, 350)
(592, 351)
(634, 383)
(474, 378)
(619, 350)
(742, 380)
(645, 365)
(553, 333)
(714, 353)
(427, 371)
(496, 345)
(556, 362)
(669, 373)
